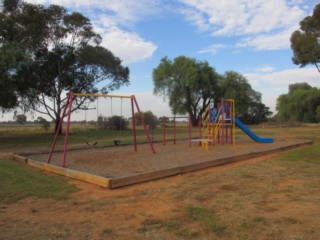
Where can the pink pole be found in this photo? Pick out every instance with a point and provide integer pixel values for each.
(134, 125)
(190, 128)
(67, 132)
(174, 130)
(199, 127)
(223, 123)
(144, 126)
(58, 129)
(231, 123)
(164, 130)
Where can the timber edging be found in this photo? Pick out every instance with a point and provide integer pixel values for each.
(143, 177)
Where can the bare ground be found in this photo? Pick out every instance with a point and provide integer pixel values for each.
(260, 198)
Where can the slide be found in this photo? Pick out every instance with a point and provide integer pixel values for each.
(251, 134)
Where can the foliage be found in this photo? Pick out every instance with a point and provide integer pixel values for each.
(149, 119)
(18, 182)
(249, 107)
(44, 123)
(300, 104)
(115, 123)
(20, 118)
(47, 51)
(190, 85)
(304, 42)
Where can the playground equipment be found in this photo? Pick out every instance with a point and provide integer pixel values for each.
(67, 111)
(218, 125)
(251, 134)
(165, 121)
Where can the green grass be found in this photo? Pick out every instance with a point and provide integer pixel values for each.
(19, 182)
(27, 136)
(207, 219)
(151, 224)
(309, 154)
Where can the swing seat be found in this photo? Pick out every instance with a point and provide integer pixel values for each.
(92, 145)
(117, 142)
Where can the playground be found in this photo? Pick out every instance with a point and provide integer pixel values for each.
(121, 166)
(215, 144)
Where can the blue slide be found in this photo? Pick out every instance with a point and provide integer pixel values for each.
(251, 134)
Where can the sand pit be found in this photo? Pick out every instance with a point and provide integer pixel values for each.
(122, 166)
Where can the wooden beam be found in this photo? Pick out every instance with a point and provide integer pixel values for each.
(87, 177)
(138, 178)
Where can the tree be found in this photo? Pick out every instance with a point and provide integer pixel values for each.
(189, 84)
(47, 52)
(300, 104)
(249, 107)
(305, 42)
(20, 118)
(44, 123)
(149, 119)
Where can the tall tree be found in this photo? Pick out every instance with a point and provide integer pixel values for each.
(305, 42)
(149, 119)
(300, 104)
(189, 84)
(249, 107)
(48, 52)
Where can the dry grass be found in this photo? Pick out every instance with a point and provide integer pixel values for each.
(274, 197)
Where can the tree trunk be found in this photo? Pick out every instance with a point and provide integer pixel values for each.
(194, 120)
(57, 121)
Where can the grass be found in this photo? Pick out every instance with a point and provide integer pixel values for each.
(207, 220)
(18, 182)
(31, 136)
(308, 154)
(151, 224)
(275, 198)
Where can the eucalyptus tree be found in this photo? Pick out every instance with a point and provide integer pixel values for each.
(48, 51)
(305, 42)
(190, 85)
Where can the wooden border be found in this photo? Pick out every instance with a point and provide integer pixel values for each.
(138, 178)
(143, 177)
(87, 177)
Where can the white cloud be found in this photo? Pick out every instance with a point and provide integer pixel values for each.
(265, 25)
(273, 84)
(264, 69)
(115, 16)
(129, 47)
(286, 77)
(270, 41)
(213, 49)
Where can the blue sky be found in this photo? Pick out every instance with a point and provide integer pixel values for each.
(251, 37)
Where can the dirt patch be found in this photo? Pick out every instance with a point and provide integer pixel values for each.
(121, 166)
(116, 162)
(253, 199)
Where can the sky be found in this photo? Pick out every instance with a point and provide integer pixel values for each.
(251, 37)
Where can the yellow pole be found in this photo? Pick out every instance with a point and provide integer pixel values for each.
(101, 95)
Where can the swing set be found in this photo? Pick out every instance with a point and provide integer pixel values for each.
(67, 111)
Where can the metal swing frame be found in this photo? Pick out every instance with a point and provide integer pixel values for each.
(67, 113)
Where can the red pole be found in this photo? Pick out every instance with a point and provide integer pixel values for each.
(174, 130)
(231, 122)
(190, 128)
(218, 119)
(144, 126)
(134, 125)
(164, 130)
(222, 123)
(199, 127)
(63, 164)
(58, 129)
